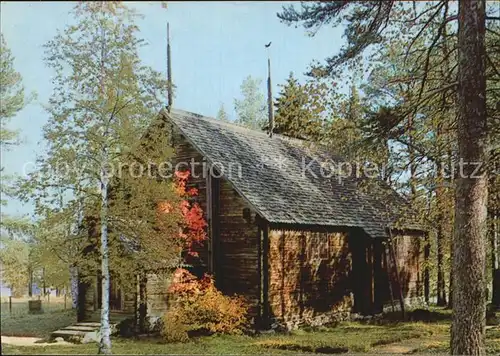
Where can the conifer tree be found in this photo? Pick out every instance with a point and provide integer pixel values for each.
(300, 109)
(222, 114)
(425, 30)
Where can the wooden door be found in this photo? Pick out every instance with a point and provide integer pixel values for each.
(115, 294)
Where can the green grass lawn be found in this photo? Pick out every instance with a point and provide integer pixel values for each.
(353, 337)
(37, 325)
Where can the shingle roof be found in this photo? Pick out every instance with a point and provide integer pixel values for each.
(281, 177)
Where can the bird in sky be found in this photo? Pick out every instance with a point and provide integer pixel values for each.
(267, 45)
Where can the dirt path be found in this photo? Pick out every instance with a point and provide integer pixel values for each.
(409, 346)
(30, 341)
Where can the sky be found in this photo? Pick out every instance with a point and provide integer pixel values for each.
(215, 46)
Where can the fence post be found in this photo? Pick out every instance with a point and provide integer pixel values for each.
(65, 300)
(10, 304)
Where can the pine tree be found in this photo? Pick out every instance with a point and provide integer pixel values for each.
(344, 131)
(469, 258)
(222, 114)
(425, 32)
(300, 109)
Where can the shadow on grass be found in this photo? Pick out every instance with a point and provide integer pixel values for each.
(307, 348)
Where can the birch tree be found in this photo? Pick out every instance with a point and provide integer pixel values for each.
(103, 101)
(11, 93)
(12, 100)
(251, 109)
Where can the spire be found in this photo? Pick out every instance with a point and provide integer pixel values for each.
(169, 72)
(269, 94)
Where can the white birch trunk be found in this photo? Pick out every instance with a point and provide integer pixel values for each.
(105, 331)
(73, 271)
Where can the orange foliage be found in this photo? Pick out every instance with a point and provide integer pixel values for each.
(192, 229)
(200, 307)
(185, 283)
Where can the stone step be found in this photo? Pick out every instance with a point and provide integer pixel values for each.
(81, 328)
(68, 335)
(89, 324)
(81, 332)
(69, 332)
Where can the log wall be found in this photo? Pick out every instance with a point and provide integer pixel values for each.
(309, 277)
(238, 246)
(410, 259)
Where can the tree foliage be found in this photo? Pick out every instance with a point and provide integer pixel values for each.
(222, 114)
(252, 108)
(105, 151)
(300, 109)
(413, 109)
(11, 92)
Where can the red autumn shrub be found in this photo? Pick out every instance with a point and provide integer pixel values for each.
(192, 227)
(200, 308)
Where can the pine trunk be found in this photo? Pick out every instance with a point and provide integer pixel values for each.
(105, 341)
(452, 234)
(468, 327)
(450, 294)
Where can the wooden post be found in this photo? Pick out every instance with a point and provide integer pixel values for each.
(10, 304)
(389, 280)
(400, 289)
(427, 252)
(259, 268)
(65, 294)
(30, 286)
(378, 302)
(265, 263)
(169, 72)
(44, 286)
(142, 301)
(215, 188)
(270, 108)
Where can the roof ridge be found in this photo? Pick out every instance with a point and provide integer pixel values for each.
(237, 126)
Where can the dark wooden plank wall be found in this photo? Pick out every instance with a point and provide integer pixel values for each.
(409, 250)
(374, 271)
(309, 277)
(238, 246)
(362, 276)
